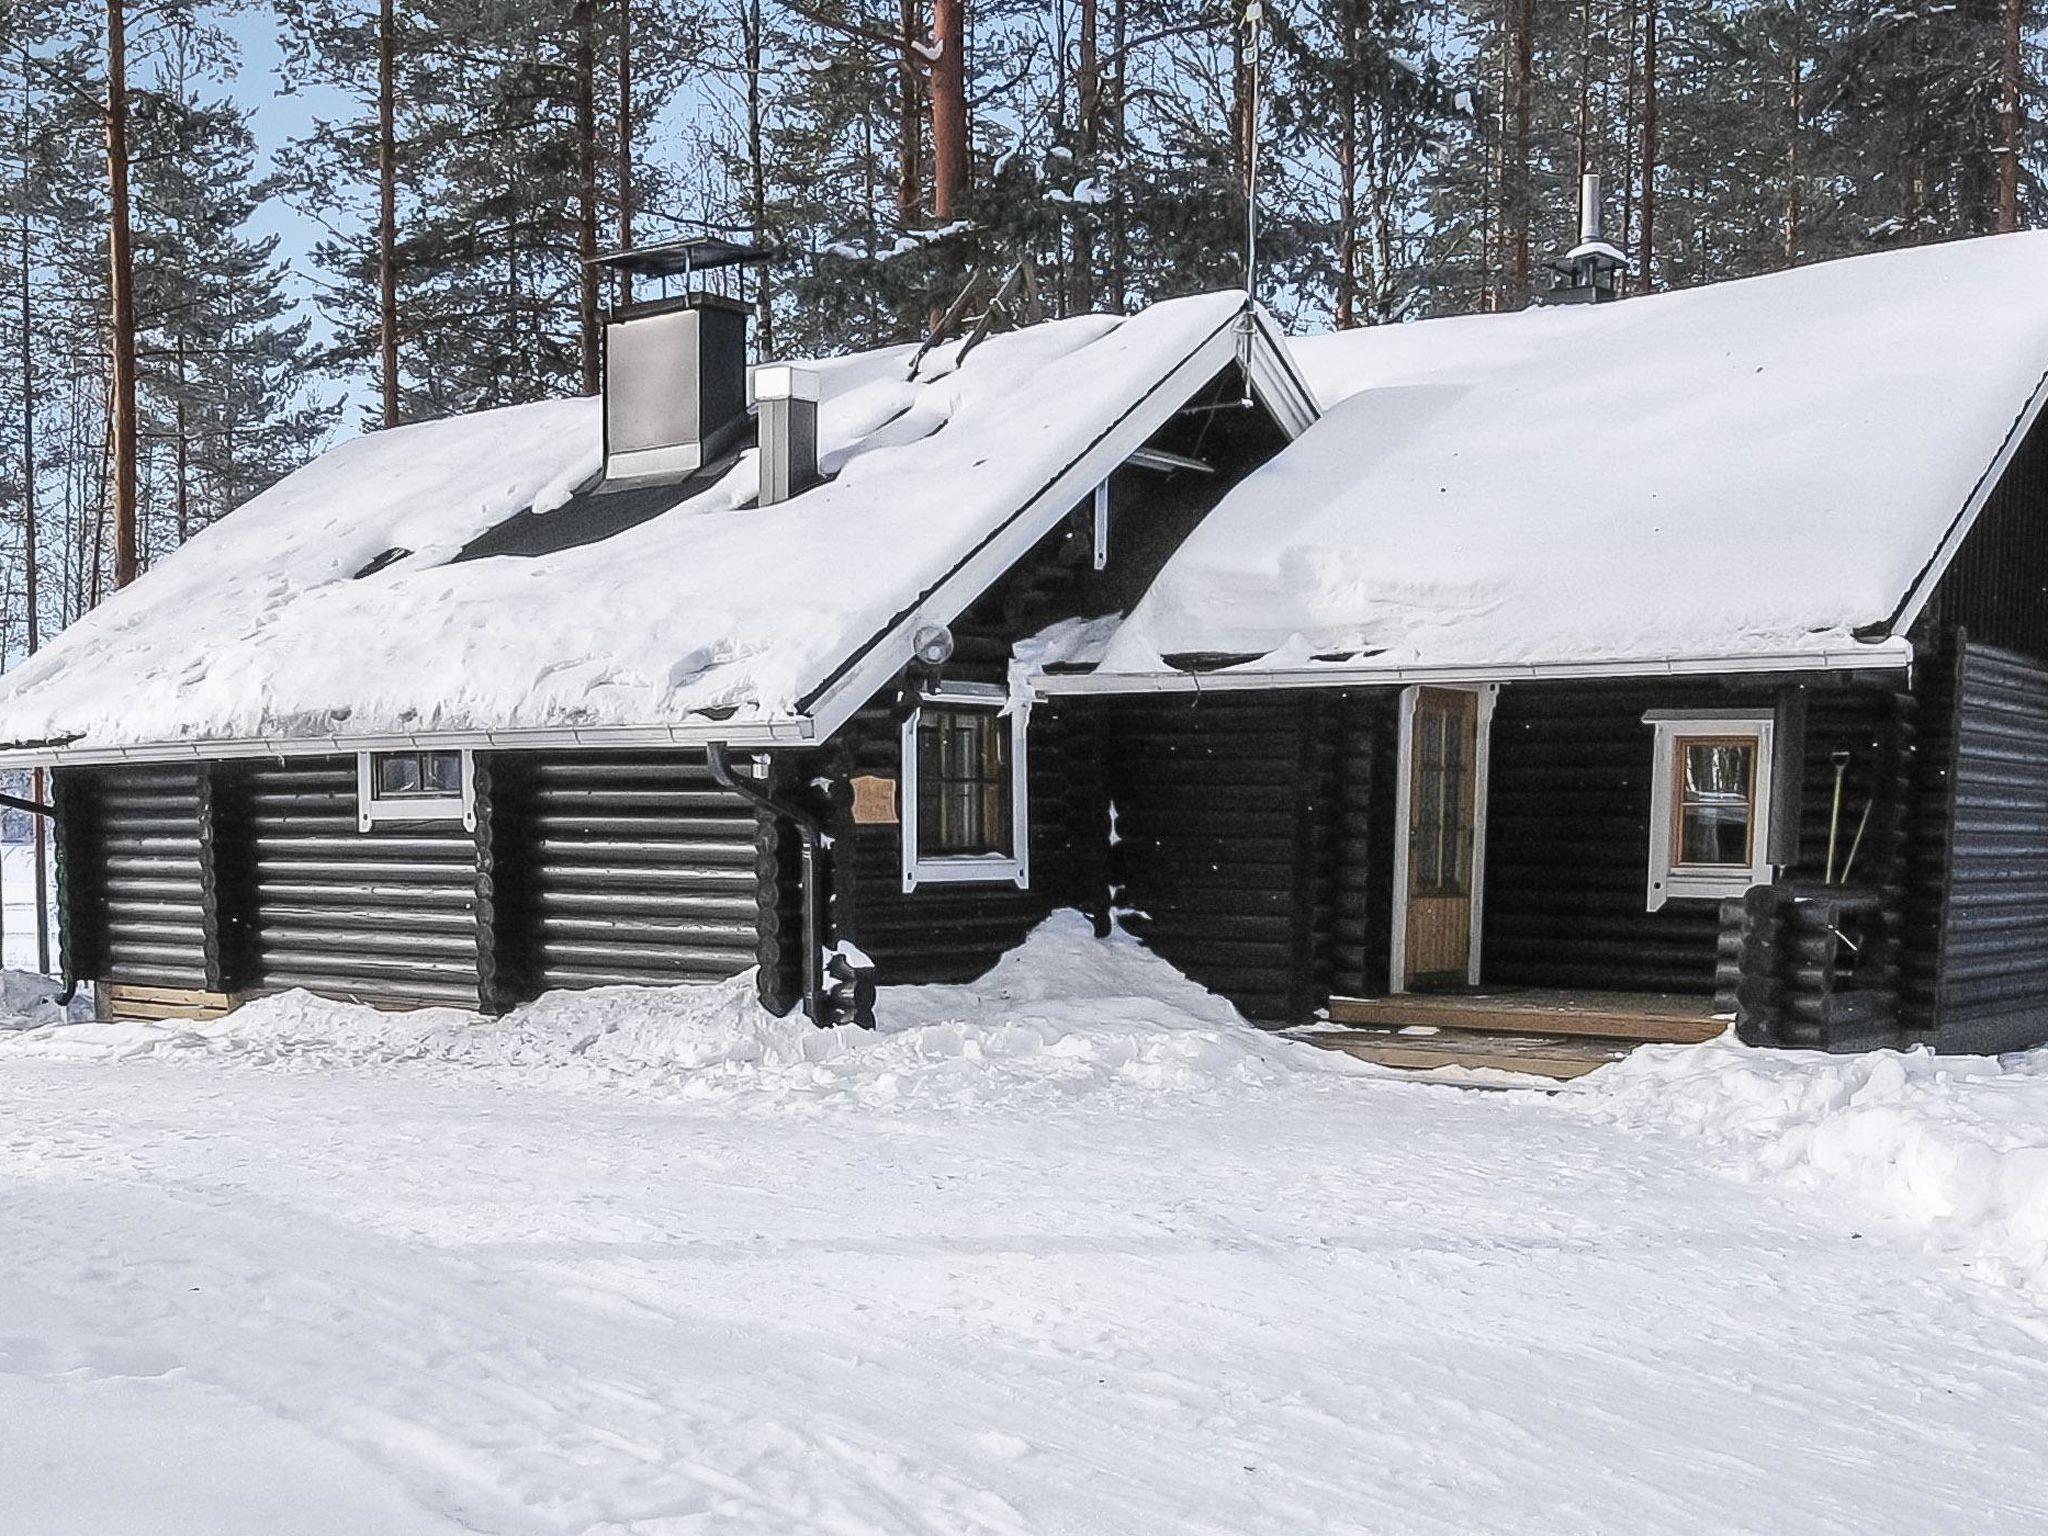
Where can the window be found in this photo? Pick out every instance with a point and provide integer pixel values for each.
(413, 786)
(1436, 850)
(1709, 805)
(963, 793)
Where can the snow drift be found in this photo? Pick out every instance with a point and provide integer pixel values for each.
(1954, 1146)
(1063, 1014)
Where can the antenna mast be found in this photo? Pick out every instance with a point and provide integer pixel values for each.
(1254, 24)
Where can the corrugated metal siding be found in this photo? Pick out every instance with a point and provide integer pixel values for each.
(626, 868)
(387, 915)
(150, 891)
(1993, 990)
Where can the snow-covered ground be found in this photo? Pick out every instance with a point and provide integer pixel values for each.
(1071, 1250)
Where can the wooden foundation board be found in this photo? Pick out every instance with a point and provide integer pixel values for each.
(1636, 1016)
(120, 1000)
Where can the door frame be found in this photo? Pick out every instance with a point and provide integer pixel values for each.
(1404, 792)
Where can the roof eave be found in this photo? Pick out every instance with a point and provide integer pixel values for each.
(1888, 654)
(794, 730)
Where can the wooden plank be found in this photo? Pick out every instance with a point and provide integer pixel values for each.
(124, 1001)
(1559, 1060)
(1619, 1016)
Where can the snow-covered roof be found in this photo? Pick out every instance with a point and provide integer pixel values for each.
(715, 619)
(1733, 474)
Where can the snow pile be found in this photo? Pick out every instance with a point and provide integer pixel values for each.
(1749, 468)
(29, 1001)
(1955, 1146)
(273, 624)
(1064, 1014)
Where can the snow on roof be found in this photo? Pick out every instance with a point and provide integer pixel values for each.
(261, 629)
(1750, 469)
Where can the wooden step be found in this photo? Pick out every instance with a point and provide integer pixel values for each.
(1637, 1016)
(1555, 1058)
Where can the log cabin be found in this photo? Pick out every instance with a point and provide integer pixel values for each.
(712, 672)
(1610, 671)
(1593, 674)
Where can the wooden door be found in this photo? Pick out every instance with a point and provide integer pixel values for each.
(1442, 796)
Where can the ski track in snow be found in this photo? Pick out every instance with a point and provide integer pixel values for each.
(1089, 1258)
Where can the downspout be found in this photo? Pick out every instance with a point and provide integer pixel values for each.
(811, 832)
(37, 808)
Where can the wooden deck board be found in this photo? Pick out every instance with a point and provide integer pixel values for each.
(1559, 1059)
(1638, 1016)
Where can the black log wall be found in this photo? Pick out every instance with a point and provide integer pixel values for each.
(954, 933)
(387, 916)
(618, 868)
(133, 874)
(1567, 846)
(1227, 805)
(1993, 979)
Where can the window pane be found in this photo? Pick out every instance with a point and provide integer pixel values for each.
(1436, 847)
(1715, 807)
(443, 772)
(398, 773)
(963, 782)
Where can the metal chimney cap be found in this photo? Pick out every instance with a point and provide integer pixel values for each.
(784, 381)
(682, 258)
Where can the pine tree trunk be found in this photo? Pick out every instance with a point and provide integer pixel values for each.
(1119, 216)
(585, 23)
(387, 208)
(1345, 308)
(1795, 84)
(625, 278)
(1646, 227)
(909, 122)
(1517, 109)
(2011, 119)
(182, 461)
(949, 109)
(757, 167)
(1087, 126)
(121, 295)
(30, 554)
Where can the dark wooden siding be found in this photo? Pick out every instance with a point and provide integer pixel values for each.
(1567, 846)
(956, 932)
(1993, 985)
(621, 868)
(1568, 826)
(387, 915)
(134, 874)
(1361, 844)
(1997, 587)
(1222, 805)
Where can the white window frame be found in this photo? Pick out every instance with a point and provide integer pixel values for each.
(1677, 882)
(371, 811)
(1013, 868)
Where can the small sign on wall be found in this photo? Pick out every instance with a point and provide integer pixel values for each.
(874, 801)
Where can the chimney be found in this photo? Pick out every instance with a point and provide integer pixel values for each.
(675, 367)
(1590, 272)
(787, 402)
